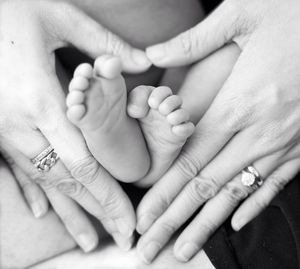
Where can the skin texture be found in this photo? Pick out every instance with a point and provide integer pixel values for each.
(33, 90)
(257, 111)
(150, 124)
(52, 239)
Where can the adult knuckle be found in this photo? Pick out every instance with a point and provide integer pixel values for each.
(164, 199)
(235, 116)
(85, 170)
(71, 188)
(273, 136)
(113, 44)
(235, 193)
(187, 165)
(168, 227)
(189, 42)
(112, 203)
(201, 190)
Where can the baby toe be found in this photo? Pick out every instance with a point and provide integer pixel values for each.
(138, 102)
(108, 66)
(78, 83)
(184, 130)
(178, 116)
(170, 104)
(75, 98)
(158, 95)
(75, 113)
(84, 70)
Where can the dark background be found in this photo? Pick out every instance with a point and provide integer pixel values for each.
(209, 5)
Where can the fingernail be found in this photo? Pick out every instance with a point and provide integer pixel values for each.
(144, 223)
(238, 224)
(149, 252)
(155, 53)
(140, 58)
(38, 209)
(124, 228)
(86, 242)
(123, 243)
(186, 252)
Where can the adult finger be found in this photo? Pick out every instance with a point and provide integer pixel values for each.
(89, 36)
(207, 141)
(72, 150)
(69, 212)
(76, 222)
(33, 194)
(59, 179)
(230, 114)
(198, 42)
(218, 209)
(258, 201)
(195, 194)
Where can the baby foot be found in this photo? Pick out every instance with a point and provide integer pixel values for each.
(97, 106)
(165, 126)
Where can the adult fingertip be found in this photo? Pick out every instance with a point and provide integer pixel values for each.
(124, 228)
(123, 243)
(87, 242)
(149, 252)
(185, 252)
(38, 209)
(237, 224)
(141, 59)
(156, 53)
(36, 200)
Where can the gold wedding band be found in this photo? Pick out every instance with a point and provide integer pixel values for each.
(45, 160)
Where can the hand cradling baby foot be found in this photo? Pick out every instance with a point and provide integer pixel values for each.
(97, 103)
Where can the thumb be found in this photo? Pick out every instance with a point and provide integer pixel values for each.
(78, 29)
(199, 41)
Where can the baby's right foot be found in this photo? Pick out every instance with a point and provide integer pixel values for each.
(165, 125)
(96, 104)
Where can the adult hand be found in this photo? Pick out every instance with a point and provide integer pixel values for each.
(254, 120)
(32, 112)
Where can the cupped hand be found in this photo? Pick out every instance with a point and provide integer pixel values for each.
(32, 114)
(253, 120)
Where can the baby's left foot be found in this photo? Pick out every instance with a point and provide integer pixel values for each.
(165, 124)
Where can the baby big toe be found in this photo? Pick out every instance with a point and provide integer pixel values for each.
(108, 66)
(178, 116)
(138, 102)
(184, 130)
(158, 95)
(170, 104)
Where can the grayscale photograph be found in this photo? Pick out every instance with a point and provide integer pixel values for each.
(149, 134)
